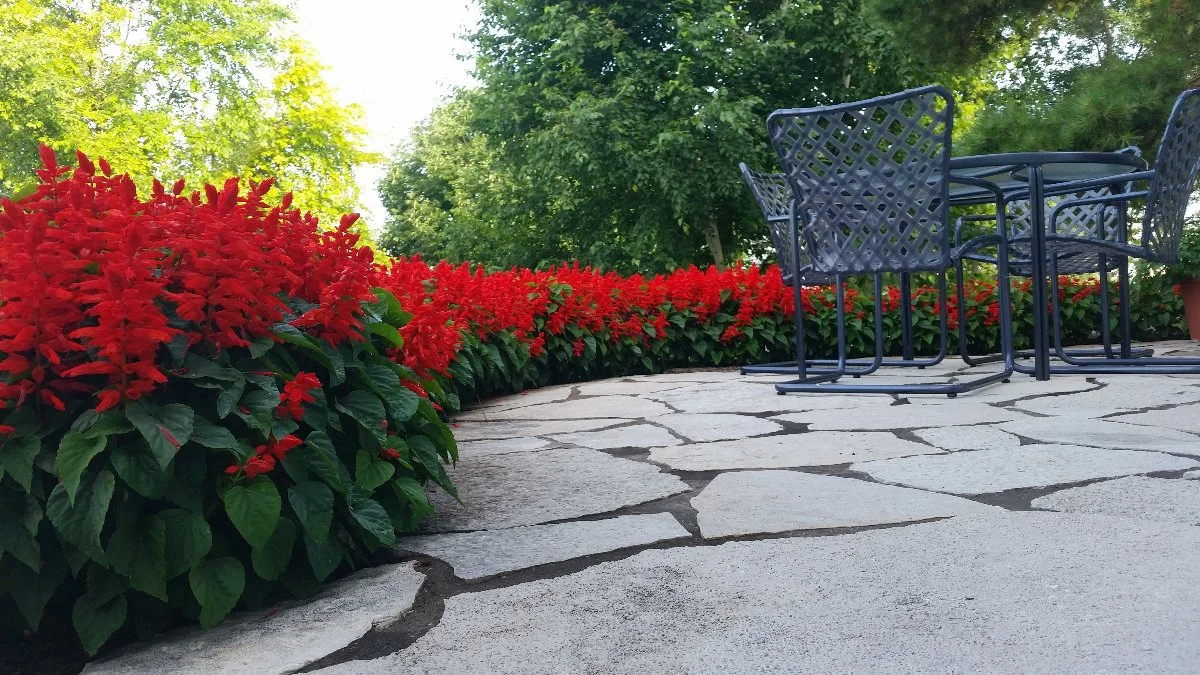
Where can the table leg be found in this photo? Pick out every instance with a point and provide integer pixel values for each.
(1037, 208)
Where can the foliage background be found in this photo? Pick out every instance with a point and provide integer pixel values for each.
(202, 89)
(610, 132)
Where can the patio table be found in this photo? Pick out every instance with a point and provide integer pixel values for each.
(1027, 174)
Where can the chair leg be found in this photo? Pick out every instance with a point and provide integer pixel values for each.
(906, 332)
(950, 389)
(859, 367)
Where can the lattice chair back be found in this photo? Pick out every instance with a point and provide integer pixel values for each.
(1175, 171)
(872, 179)
(774, 199)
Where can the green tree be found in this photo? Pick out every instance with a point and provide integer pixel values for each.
(1058, 74)
(201, 89)
(612, 130)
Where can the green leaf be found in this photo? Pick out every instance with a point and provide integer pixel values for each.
(211, 435)
(228, 399)
(253, 507)
(261, 345)
(371, 516)
(138, 467)
(425, 452)
(74, 454)
(80, 522)
(189, 539)
(324, 557)
(337, 364)
(370, 471)
(367, 410)
(197, 367)
(138, 550)
(166, 429)
(318, 454)
(103, 584)
(96, 622)
(108, 423)
(190, 470)
(388, 333)
(32, 589)
(22, 516)
(217, 584)
(272, 559)
(261, 406)
(414, 493)
(17, 456)
(313, 504)
(389, 309)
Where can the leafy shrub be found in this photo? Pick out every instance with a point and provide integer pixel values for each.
(207, 403)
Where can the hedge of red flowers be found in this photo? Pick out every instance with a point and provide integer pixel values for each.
(206, 401)
(487, 333)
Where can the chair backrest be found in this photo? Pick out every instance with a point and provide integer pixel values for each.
(1175, 171)
(774, 199)
(872, 177)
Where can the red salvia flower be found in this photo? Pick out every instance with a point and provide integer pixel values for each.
(296, 393)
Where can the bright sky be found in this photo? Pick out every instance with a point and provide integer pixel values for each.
(395, 58)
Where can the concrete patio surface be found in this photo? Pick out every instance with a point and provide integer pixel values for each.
(697, 522)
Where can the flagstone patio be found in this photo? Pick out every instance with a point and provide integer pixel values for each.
(698, 522)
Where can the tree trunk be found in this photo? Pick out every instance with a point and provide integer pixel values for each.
(712, 237)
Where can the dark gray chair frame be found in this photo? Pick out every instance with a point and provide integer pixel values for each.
(871, 179)
(774, 197)
(1091, 220)
(1171, 183)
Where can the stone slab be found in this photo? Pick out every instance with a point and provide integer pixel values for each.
(474, 431)
(475, 555)
(911, 416)
(1105, 434)
(693, 376)
(525, 398)
(1181, 418)
(777, 452)
(1021, 388)
(627, 387)
(528, 488)
(273, 643)
(582, 408)
(754, 502)
(758, 397)
(717, 427)
(1126, 393)
(979, 437)
(1176, 501)
(1001, 469)
(502, 446)
(635, 436)
(1012, 593)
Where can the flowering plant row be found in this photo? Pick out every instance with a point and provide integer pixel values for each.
(208, 402)
(507, 331)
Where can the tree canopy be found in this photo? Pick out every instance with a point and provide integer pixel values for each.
(202, 89)
(610, 131)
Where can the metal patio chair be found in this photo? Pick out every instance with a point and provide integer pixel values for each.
(871, 181)
(771, 193)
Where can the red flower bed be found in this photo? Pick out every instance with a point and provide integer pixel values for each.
(199, 384)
